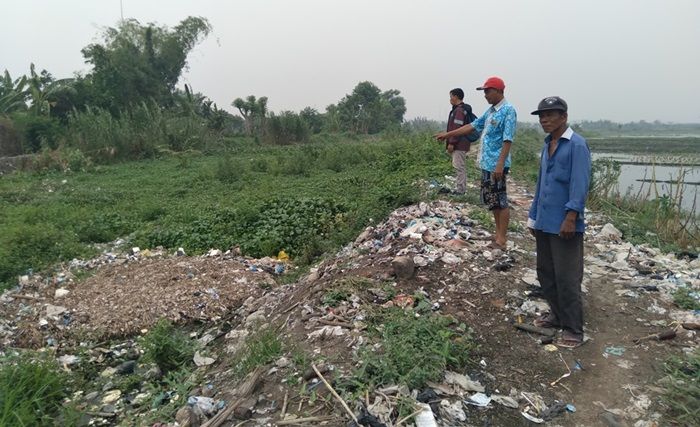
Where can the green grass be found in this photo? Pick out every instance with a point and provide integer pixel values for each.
(168, 347)
(682, 389)
(31, 392)
(305, 199)
(687, 298)
(262, 347)
(169, 395)
(412, 350)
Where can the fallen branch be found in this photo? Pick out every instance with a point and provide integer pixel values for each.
(27, 297)
(284, 405)
(335, 323)
(660, 336)
(333, 392)
(408, 417)
(242, 393)
(301, 421)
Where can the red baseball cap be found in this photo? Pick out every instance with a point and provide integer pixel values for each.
(493, 83)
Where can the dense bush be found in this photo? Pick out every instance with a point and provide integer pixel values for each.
(140, 132)
(290, 224)
(33, 246)
(286, 128)
(37, 132)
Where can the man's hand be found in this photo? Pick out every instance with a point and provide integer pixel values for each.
(441, 136)
(498, 172)
(450, 148)
(568, 227)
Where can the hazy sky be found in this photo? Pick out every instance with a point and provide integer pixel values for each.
(623, 60)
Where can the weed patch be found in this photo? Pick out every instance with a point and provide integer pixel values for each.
(682, 389)
(413, 349)
(687, 298)
(261, 348)
(31, 392)
(167, 346)
(169, 395)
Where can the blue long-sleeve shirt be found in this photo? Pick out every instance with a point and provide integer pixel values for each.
(562, 184)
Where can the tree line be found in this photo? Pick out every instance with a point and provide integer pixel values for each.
(128, 104)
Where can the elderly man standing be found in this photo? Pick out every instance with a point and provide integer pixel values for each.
(497, 125)
(556, 220)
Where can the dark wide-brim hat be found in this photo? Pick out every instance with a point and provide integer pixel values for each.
(551, 103)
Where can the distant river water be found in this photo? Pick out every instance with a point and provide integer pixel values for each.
(637, 172)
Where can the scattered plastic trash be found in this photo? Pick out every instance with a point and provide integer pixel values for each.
(425, 418)
(205, 404)
(532, 418)
(200, 360)
(478, 399)
(553, 411)
(615, 351)
(282, 256)
(571, 408)
(506, 401)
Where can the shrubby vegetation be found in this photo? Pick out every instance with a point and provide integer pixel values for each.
(304, 199)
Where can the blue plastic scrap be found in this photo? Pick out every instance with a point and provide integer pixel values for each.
(615, 351)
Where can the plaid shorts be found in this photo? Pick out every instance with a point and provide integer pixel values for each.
(493, 193)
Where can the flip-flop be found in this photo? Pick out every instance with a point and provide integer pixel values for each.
(568, 343)
(545, 321)
(494, 245)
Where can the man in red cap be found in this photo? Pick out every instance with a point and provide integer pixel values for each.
(497, 127)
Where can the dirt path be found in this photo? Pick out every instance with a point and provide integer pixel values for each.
(622, 379)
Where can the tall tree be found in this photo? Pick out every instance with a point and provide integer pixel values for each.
(254, 111)
(369, 110)
(136, 62)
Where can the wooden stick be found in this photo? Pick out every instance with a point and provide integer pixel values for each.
(246, 389)
(28, 297)
(335, 323)
(303, 420)
(291, 307)
(284, 405)
(408, 417)
(333, 392)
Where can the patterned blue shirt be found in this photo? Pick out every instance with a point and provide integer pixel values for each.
(496, 125)
(562, 184)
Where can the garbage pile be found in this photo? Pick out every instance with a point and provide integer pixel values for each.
(138, 288)
(637, 270)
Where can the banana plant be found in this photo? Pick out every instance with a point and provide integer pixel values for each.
(13, 94)
(44, 90)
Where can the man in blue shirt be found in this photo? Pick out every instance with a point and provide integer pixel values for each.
(556, 220)
(497, 125)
